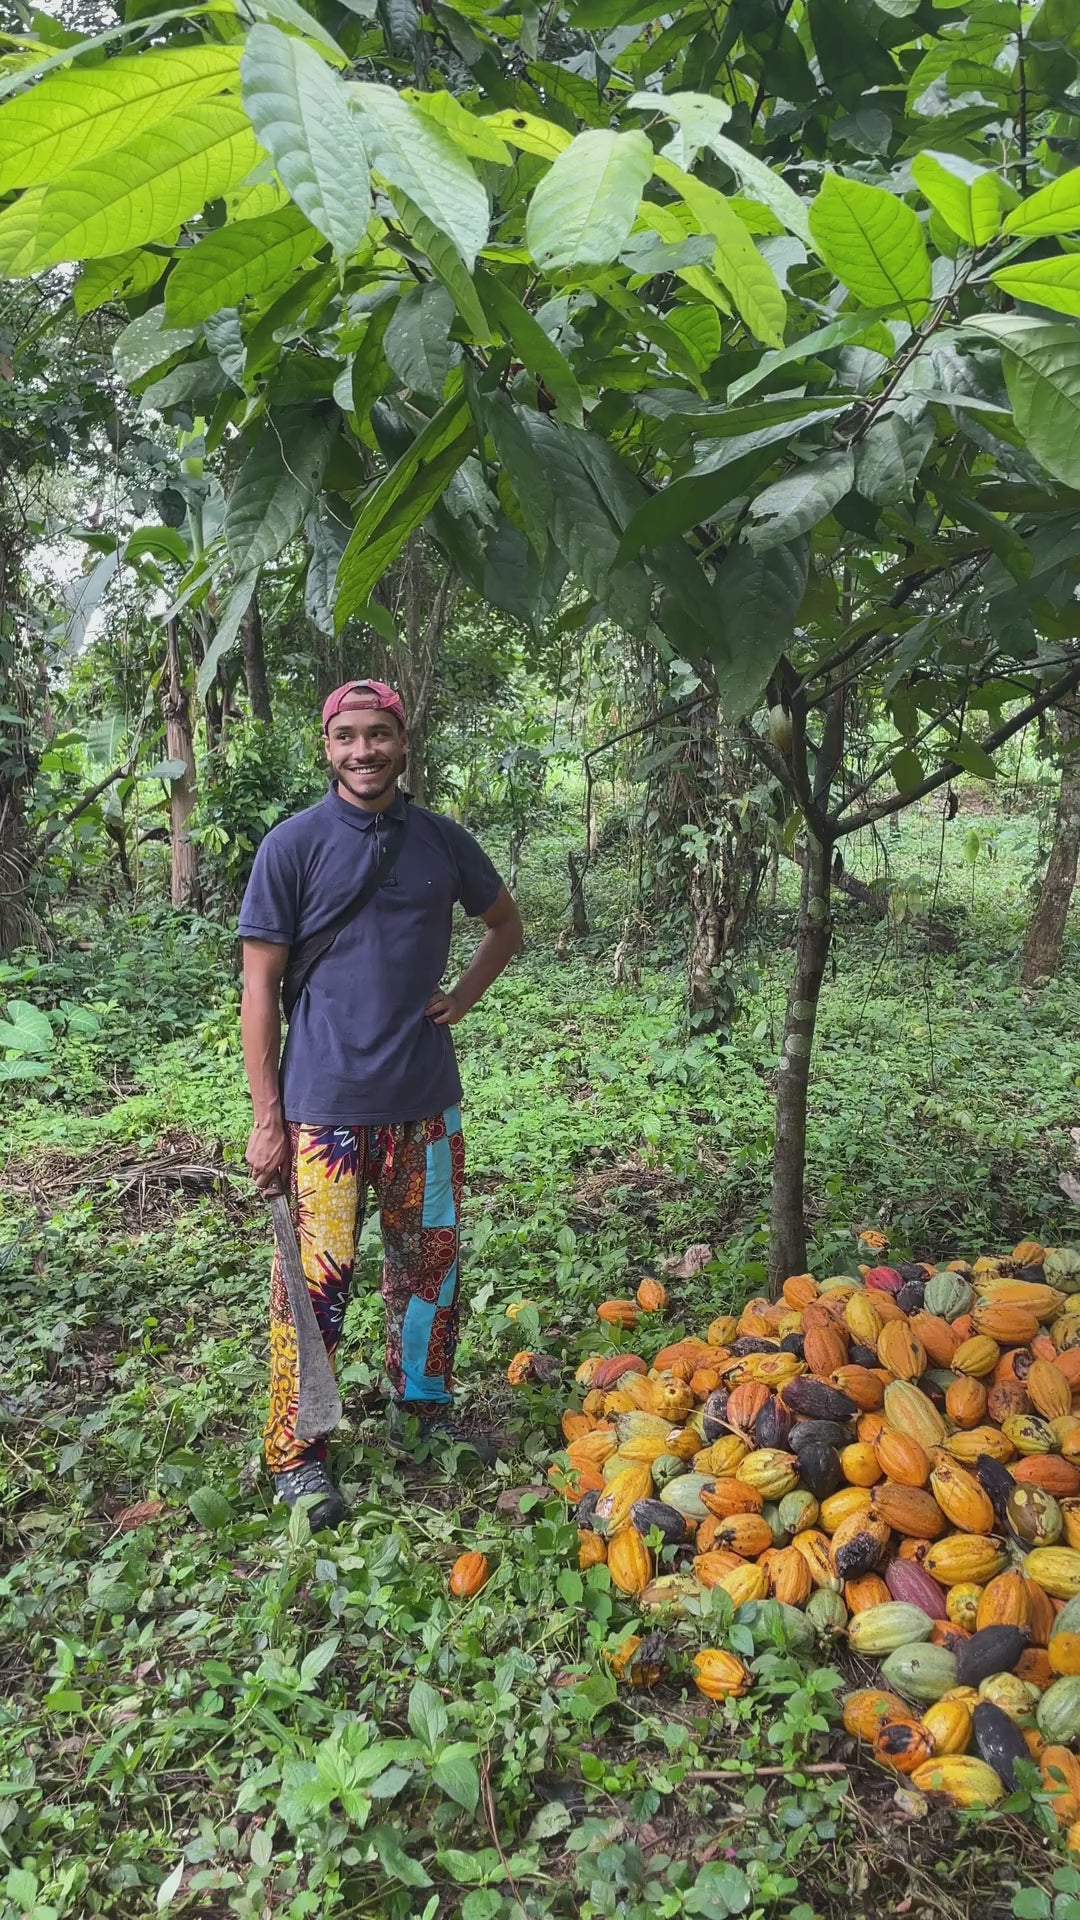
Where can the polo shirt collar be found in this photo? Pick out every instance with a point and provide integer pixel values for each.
(358, 817)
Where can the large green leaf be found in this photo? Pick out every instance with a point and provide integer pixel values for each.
(327, 533)
(370, 368)
(1044, 283)
(508, 427)
(1054, 209)
(416, 154)
(445, 260)
(143, 190)
(797, 502)
(837, 334)
(888, 460)
(592, 496)
(763, 184)
(539, 353)
(417, 342)
(120, 276)
(697, 116)
(529, 132)
(583, 210)
(970, 199)
(737, 263)
(467, 130)
(275, 487)
(227, 630)
(300, 110)
(399, 502)
(234, 263)
(19, 226)
(1042, 373)
(27, 1029)
(760, 594)
(147, 343)
(71, 117)
(874, 243)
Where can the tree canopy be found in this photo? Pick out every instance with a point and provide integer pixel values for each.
(736, 327)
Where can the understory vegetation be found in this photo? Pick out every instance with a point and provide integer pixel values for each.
(207, 1712)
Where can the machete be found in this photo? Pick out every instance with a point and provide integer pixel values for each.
(318, 1407)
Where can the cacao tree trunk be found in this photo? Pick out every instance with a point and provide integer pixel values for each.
(517, 842)
(579, 918)
(258, 687)
(787, 1224)
(1046, 928)
(19, 925)
(706, 948)
(179, 746)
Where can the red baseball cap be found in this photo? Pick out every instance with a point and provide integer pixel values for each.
(372, 694)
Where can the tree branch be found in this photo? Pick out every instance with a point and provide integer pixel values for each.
(81, 805)
(951, 769)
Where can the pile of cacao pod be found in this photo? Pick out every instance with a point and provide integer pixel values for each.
(893, 1457)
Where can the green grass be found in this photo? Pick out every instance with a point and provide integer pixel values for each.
(206, 1701)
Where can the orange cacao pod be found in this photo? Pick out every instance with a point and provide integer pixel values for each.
(900, 1352)
(965, 1401)
(902, 1459)
(910, 1510)
(468, 1574)
(618, 1313)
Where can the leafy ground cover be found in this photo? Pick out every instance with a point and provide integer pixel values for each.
(205, 1711)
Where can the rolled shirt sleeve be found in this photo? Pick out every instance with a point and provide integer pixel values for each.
(479, 882)
(270, 909)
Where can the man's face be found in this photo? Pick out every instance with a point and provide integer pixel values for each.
(366, 749)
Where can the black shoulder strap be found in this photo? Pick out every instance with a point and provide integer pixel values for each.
(304, 957)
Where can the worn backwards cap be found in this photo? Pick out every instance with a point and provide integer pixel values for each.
(370, 694)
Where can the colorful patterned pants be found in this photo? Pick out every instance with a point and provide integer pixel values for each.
(416, 1172)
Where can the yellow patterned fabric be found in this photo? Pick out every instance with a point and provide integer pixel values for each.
(416, 1171)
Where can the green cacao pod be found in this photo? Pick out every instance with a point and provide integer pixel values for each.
(826, 1611)
(948, 1295)
(886, 1628)
(920, 1673)
(1057, 1715)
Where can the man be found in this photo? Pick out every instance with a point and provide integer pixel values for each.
(367, 1090)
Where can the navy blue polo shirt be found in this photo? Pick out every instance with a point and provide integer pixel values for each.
(360, 1050)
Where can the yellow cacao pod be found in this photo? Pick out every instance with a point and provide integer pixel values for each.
(745, 1583)
(1013, 1695)
(1048, 1390)
(968, 1446)
(1056, 1570)
(630, 1563)
(861, 1320)
(963, 1557)
(961, 1498)
(859, 1465)
(840, 1506)
(948, 1722)
(978, 1356)
(723, 1458)
(910, 1412)
(1005, 1602)
(719, 1675)
(817, 1552)
(965, 1781)
(1028, 1434)
(962, 1604)
(770, 1471)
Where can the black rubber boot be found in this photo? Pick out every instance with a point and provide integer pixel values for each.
(311, 1477)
